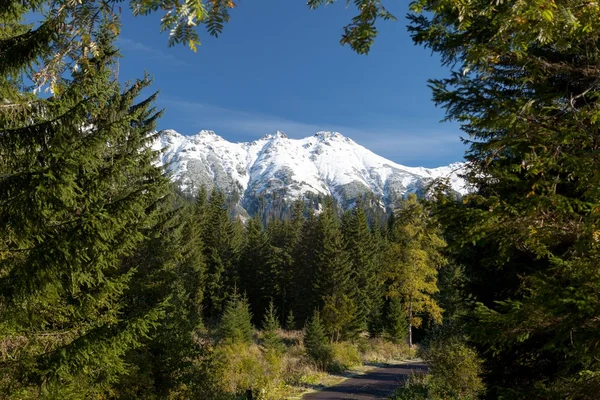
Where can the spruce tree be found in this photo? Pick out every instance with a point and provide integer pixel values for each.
(305, 265)
(524, 87)
(236, 323)
(215, 235)
(255, 278)
(271, 340)
(333, 288)
(79, 191)
(290, 321)
(366, 279)
(316, 343)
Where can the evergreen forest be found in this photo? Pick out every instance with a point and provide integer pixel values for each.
(114, 285)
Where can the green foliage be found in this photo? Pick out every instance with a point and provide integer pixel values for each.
(316, 343)
(237, 368)
(80, 196)
(221, 249)
(414, 257)
(455, 370)
(339, 313)
(236, 322)
(397, 325)
(271, 340)
(454, 373)
(361, 32)
(367, 283)
(290, 321)
(525, 94)
(344, 355)
(416, 387)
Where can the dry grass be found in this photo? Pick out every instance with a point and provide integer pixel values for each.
(287, 375)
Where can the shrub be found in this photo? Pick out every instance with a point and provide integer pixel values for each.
(417, 387)
(455, 369)
(241, 368)
(379, 350)
(345, 355)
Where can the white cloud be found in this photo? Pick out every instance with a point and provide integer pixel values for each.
(150, 53)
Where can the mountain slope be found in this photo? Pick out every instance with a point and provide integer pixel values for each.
(276, 167)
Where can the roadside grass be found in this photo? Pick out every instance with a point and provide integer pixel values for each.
(239, 368)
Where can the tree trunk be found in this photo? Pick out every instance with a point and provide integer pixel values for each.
(410, 324)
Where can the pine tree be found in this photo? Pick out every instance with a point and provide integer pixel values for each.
(79, 191)
(236, 323)
(305, 265)
(254, 275)
(215, 235)
(524, 87)
(367, 282)
(283, 237)
(413, 261)
(316, 343)
(271, 340)
(396, 321)
(290, 321)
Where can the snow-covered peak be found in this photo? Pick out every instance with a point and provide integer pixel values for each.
(277, 167)
(276, 135)
(325, 135)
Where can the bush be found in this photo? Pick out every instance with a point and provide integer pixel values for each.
(379, 350)
(345, 355)
(241, 368)
(455, 369)
(417, 387)
(454, 373)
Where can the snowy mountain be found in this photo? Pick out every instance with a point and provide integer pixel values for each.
(277, 168)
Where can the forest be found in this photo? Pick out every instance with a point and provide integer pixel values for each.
(115, 285)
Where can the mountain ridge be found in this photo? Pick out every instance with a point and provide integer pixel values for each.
(276, 167)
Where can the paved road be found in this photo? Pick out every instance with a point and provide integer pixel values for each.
(376, 384)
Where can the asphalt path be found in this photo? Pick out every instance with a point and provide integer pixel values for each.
(378, 383)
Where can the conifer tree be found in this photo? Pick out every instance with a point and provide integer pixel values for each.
(413, 263)
(283, 237)
(290, 321)
(397, 324)
(524, 86)
(333, 284)
(305, 265)
(79, 191)
(236, 323)
(215, 235)
(255, 278)
(362, 252)
(315, 341)
(271, 340)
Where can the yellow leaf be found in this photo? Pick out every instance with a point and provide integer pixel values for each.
(548, 15)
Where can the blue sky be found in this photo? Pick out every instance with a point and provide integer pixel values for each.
(279, 66)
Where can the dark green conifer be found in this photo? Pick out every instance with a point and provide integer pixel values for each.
(216, 241)
(366, 278)
(316, 343)
(290, 321)
(333, 286)
(236, 323)
(255, 278)
(79, 191)
(271, 340)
